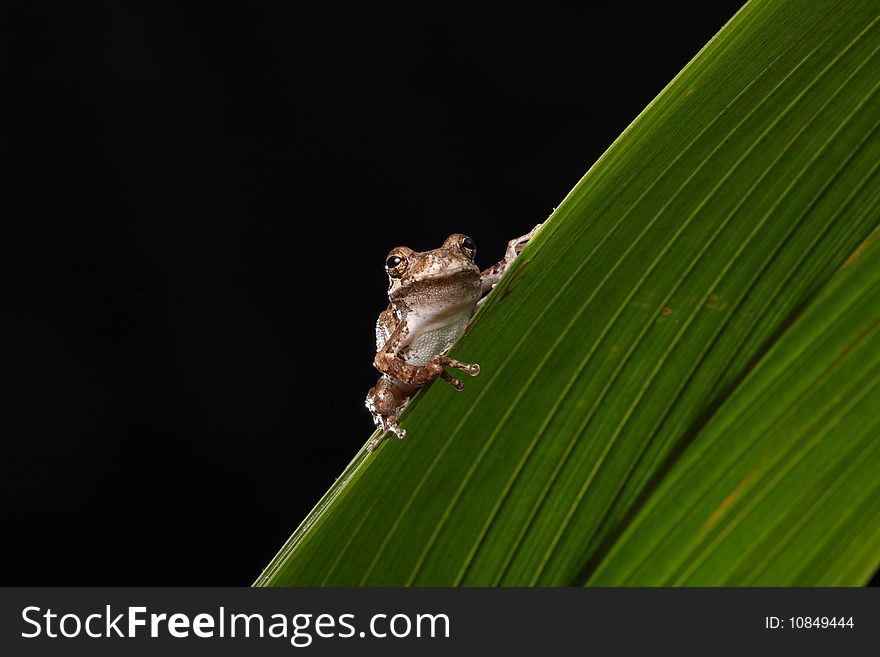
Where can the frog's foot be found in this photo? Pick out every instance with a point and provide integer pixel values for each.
(489, 277)
(386, 401)
(386, 424)
(436, 364)
(451, 380)
(470, 368)
(515, 246)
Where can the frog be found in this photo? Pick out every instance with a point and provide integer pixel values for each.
(432, 296)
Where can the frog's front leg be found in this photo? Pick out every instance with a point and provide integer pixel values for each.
(388, 362)
(489, 277)
(387, 399)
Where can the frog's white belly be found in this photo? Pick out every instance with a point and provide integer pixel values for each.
(434, 335)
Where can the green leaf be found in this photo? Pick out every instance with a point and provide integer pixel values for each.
(784, 477)
(680, 376)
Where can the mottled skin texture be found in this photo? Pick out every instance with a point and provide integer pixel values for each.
(432, 296)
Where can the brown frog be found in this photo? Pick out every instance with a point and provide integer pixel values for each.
(433, 295)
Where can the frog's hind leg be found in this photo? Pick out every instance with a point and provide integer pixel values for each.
(386, 401)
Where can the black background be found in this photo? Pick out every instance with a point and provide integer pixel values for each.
(202, 201)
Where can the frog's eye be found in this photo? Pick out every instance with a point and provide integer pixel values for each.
(468, 247)
(395, 265)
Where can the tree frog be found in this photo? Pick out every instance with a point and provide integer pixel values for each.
(432, 295)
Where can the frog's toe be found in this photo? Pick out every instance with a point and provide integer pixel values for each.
(386, 424)
(451, 380)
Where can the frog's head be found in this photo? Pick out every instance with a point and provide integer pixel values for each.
(410, 271)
